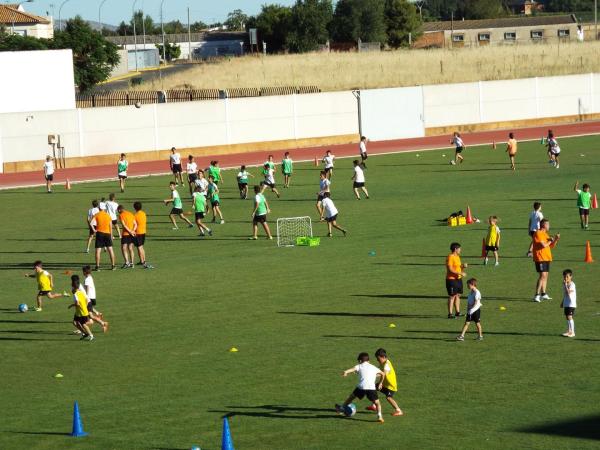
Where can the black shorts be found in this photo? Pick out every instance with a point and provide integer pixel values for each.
(242, 185)
(122, 177)
(454, 287)
(531, 233)
(49, 177)
(140, 240)
(92, 302)
(103, 240)
(569, 311)
(320, 197)
(215, 203)
(543, 266)
(287, 174)
(266, 183)
(176, 168)
(259, 219)
(385, 391)
(199, 215)
(475, 317)
(363, 156)
(81, 320)
(176, 211)
(459, 149)
(328, 169)
(126, 240)
(192, 177)
(332, 218)
(491, 248)
(584, 211)
(43, 293)
(358, 185)
(114, 222)
(91, 230)
(361, 393)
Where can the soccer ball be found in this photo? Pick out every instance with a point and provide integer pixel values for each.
(23, 308)
(350, 410)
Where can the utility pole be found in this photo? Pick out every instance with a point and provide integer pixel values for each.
(135, 33)
(162, 28)
(189, 37)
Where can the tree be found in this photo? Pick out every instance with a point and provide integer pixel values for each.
(124, 29)
(93, 56)
(309, 24)
(402, 19)
(483, 9)
(196, 27)
(236, 20)
(175, 27)
(143, 22)
(16, 42)
(172, 51)
(359, 19)
(568, 6)
(273, 24)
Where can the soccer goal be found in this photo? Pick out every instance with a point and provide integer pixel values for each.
(290, 228)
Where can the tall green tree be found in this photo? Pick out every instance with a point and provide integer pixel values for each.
(174, 27)
(401, 19)
(143, 21)
(273, 25)
(93, 56)
(359, 19)
(172, 51)
(15, 42)
(309, 25)
(483, 9)
(569, 6)
(236, 20)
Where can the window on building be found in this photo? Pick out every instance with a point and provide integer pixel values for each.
(458, 37)
(484, 37)
(510, 36)
(564, 33)
(537, 34)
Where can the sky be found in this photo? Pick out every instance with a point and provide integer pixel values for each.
(114, 11)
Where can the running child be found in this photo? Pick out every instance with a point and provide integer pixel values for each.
(175, 165)
(111, 209)
(460, 146)
(569, 302)
(215, 171)
(511, 149)
(199, 200)
(101, 226)
(554, 150)
(287, 167)
(388, 385)
(49, 173)
(331, 214)
(473, 311)
(140, 235)
(584, 203)
(45, 282)
(269, 180)
(359, 180)
(492, 240)
(177, 209)
(90, 216)
(215, 202)
(122, 166)
(324, 185)
(328, 161)
(242, 179)
(535, 217)
(367, 376)
(363, 151)
(90, 290)
(259, 214)
(81, 320)
(192, 173)
(129, 237)
(270, 162)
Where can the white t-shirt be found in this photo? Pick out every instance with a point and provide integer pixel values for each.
(473, 301)
(534, 220)
(175, 158)
(203, 183)
(48, 168)
(102, 206)
(192, 168)
(569, 296)
(359, 175)
(328, 160)
(363, 148)
(92, 212)
(111, 209)
(91, 288)
(324, 186)
(458, 141)
(554, 147)
(367, 376)
(269, 176)
(329, 207)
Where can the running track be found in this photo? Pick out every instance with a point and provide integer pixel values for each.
(92, 173)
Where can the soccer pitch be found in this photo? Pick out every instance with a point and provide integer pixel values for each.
(163, 376)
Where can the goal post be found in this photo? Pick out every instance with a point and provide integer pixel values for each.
(290, 228)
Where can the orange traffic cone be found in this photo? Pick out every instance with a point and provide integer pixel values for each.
(493, 145)
(483, 252)
(68, 185)
(594, 202)
(588, 253)
(469, 216)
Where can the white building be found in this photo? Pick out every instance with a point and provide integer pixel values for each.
(14, 19)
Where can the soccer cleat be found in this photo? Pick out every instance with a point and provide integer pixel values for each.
(566, 334)
(175, 228)
(397, 413)
(479, 338)
(458, 314)
(201, 234)
(270, 238)
(83, 336)
(252, 238)
(452, 163)
(529, 254)
(339, 409)
(380, 419)
(209, 232)
(222, 222)
(148, 266)
(571, 335)
(485, 261)
(460, 338)
(79, 332)
(190, 225)
(87, 251)
(497, 264)
(97, 268)
(328, 234)
(537, 298)
(345, 232)
(90, 337)
(557, 166)
(65, 294)
(546, 297)
(125, 266)
(371, 408)
(450, 316)
(37, 309)
(113, 267)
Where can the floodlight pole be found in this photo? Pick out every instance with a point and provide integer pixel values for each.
(135, 34)
(162, 28)
(356, 93)
(100, 16)
(59, 14)
(596, 19)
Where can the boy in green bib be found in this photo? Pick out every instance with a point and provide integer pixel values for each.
(177, 209)
(212, 192)
(259, 215)
(287, 169)
(584, 203)
(199, 200)
(122, 166)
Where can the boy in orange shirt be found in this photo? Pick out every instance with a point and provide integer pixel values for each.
(128, 237)
(511, 149)
(101, 226)
(454, 275)
(140, 235)
(542, 257)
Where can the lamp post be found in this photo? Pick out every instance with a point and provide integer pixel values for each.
(59, 14)
(162, 28)
(13, 16)
(100, 15)
(135, 34)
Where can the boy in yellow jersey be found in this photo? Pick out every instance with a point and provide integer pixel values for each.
(492, 240)
(81, 320)
(454, 274)
(388, 385)
(45, 282)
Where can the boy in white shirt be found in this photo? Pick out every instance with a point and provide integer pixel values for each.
(359, 180)
(569, 302)
(535, 217)
(91, 213)
(473, 310)
(89, 288)
(111, 209)
(460, 146)
(363, 151)
(367, 387)
(331, 214)
(242, 179)
(175, 165)
(192, 173)
(49, 173)
(328, 161)
(202, 182)
(553, 150)
(324, 184)
(269, 181)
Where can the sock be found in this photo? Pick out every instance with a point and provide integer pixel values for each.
(572, 326)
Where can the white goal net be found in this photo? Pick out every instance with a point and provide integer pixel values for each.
(290, 228)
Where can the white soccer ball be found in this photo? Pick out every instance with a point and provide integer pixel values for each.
(23, 308)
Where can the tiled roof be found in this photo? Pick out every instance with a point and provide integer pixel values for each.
(508, 22)
(9, 15)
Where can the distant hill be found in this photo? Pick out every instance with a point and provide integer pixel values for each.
(94, 24)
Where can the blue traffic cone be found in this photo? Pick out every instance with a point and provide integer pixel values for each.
(226, 442)
(77, 425)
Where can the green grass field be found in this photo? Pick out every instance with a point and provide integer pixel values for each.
(163, 377)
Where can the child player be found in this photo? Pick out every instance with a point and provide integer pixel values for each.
(569, 302)
(242, 179)
(324, 184)
(215, 202)
(192, 173)
(367, 376)
(111, 209)
(359, 180)
(259, 214)
(269, 180)
(492, 240)
(331, 214)
(460, 146)
(90, 290)
(122, 166)
(388, 385)
(199, 200)
(511, 149)
(175, 164)
(584, 203)
(535, 217)
(454, 276)
(177, 209)
(215, 171)
(473, 310)
(81, 320)
(287, 167)
(553, 150)
(328, 161)
(45, 282)
(49, 173)
(363, 151)
(90, 216)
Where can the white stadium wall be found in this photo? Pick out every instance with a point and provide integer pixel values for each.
(41, 80)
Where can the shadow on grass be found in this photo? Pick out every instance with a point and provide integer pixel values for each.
(505, 333)
(2, 338)
(581, 428)
(31, 321)
(31, 332)
(285, 412)
(47, 265)
(408, 296)
(41, 433)
(398, 338)
(348, 314)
